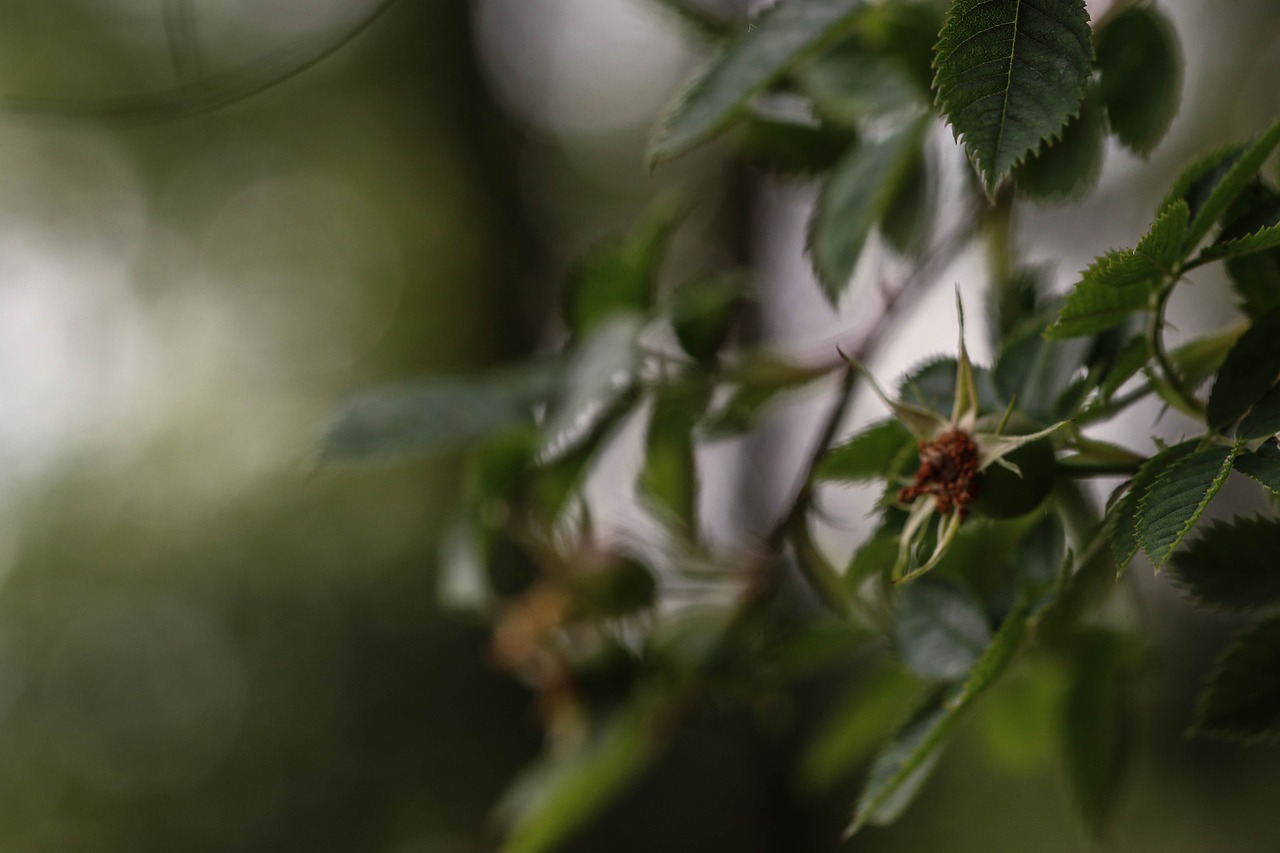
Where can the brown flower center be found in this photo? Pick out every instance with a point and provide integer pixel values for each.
(948, 470)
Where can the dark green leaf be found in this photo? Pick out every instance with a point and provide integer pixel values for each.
(1135, 354)
(867, 455)
(1198, 359)
(932, 384)
(1010, 74)
(1068, 166)
(1259, 241)
(1175, 501)
(1097, 745)
(1220, 178)
(939, 630)
(1242, 700)
(1035, 371)
(791, 147)
(1232, 565)
(703, 311)
(770, 46)
(1256, 279)
(434, 416)
(1264, 418)
(1249, 371)
(1123, 516)
(905, 762)
(1262, 465)
(1140, 79)
(855, 198)
(559, 795)
(907, 221)
(874, 556)
(620, 276)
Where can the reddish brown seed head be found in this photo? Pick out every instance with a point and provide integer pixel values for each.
(948, 471)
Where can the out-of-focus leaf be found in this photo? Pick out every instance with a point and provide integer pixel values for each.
(1232, 565)
(559, 795)
(905, 762)
(1247, 374)
(1009, 75)
(620, 276)
(1034, 371)
(867, 455)
(770, 46)
(790, 147)
(1141, 76)
(700, 17)
(1256, 279)
(932, 384)
(1097, 744)
(1066, 167)
(1123, 517)
(852, 83)
(758, 382)
(1175, 501)
(669, 477)
(939, 629)
(703, 311)
(463, 582)
(1242, 700)
(863, 719)
(435, 416)
(601, 368)
(1197, 360)
(855, 198)
(874, 556)
(908, 220)
(1262, 465)
(1135, 354)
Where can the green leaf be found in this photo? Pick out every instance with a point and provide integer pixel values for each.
(1259, 241)
(873, 557)
(1198, 359)
(1175, 501)
(668, 478)
(1140, 78)
(850, 84)
(1263, 419)
(866, 456)
(1256, 279)
(863, 719)
(1262, 465)
(558, 796)
(1123, 516)
(790, 147)
(703, 312)
(1034, 371)
(1135, 354)
(435, 416)
(771, 45)
(1097, 742)
(932, 385)
(905, 762)
(1249, 371)
(1093, 307)
(620, 276)
(909, 217)
(760, 380)
(855, 198)
(1010, 74)
(1242, 700)
(1214, 183)
(939, 630)
(1067, 167)
(1232, 565)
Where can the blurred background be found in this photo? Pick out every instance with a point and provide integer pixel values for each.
(220, 217)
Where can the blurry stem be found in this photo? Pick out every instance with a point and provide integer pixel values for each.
(998, 227)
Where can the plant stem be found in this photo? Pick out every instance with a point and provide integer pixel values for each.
(1181, 397)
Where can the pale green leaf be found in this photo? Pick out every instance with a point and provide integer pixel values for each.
(1010, 74)
(1175, 501)
(855, 198)
(770, 46)
(1140, 78)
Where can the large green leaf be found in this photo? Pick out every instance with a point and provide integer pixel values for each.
(1066, 167)
(434, 416)
(1232, 565)
(856, 196)
(939, 629)
(770, 46)
(1096, 741)
(905, 762)
(1175, 501)
(1250, 369)
(1123, 517)
(1242, 700)
(1262, 465)
(867, 455)
(1140, 78)
(1010, 74)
